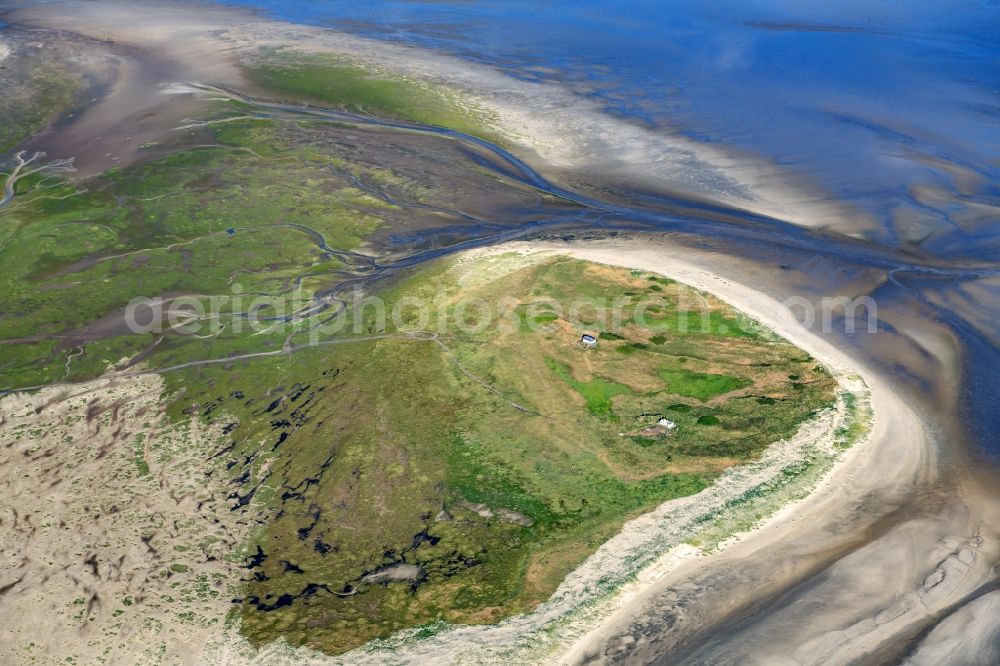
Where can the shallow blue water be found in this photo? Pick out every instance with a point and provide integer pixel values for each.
(893, 106)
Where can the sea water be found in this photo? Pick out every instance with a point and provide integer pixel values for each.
(891, 106)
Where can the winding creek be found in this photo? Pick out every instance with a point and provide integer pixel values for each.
(749, 232)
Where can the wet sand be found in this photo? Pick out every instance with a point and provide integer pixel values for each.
(129, 104)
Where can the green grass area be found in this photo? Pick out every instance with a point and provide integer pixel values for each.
(244, 216)
(141, 464)
(380, 453)
(858, 422)
(598, 391)
(700, 385)
(339, 83)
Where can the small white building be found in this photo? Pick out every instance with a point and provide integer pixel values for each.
(666, 424)
(588, 341)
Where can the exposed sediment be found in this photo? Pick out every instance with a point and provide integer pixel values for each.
(561, 133)
(118, 544)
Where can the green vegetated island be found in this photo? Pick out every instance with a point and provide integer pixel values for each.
(412, 472)
(462, 478)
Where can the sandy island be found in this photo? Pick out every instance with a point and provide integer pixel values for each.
(653, 555)
(896, 452)
(873, 585)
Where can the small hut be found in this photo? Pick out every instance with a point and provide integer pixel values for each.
(667, 424)
(589, 341)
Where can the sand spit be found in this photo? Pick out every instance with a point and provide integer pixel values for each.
(558, 132)
(115, 541)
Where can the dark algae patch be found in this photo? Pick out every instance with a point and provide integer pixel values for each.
(700, 385)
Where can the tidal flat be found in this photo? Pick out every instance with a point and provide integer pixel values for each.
(440, 487)
(409, 475)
